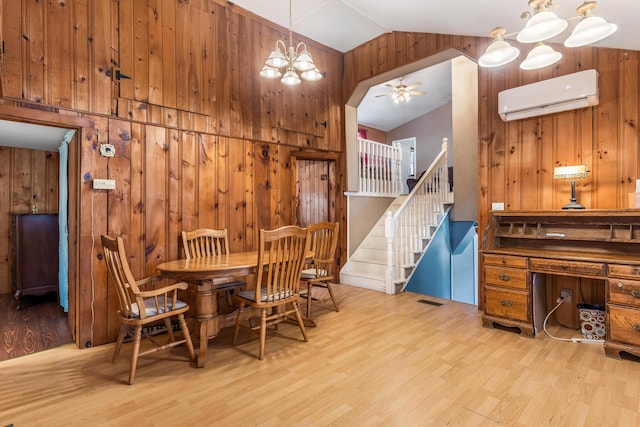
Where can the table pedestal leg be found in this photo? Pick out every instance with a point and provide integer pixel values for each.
(207, 317)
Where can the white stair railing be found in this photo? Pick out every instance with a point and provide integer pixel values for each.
(408, 229)
(379, 168)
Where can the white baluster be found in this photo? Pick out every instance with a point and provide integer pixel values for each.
(389, 235)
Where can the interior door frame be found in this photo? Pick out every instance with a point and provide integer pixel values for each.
(38, 116)
(315, 155)
(405, 145)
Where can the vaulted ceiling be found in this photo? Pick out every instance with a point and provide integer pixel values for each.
(345, 24)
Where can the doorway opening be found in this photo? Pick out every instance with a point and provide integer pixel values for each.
(38, 142)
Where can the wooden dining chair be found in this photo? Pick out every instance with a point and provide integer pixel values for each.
(281, 257)
(324, 240)
(142, 303)
(207, 242)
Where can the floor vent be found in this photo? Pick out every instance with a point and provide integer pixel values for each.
(426, 301)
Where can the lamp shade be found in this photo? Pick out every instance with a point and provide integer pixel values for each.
(590, 30)
(276, 59)
(270, 72)
(498, 53)
(304, 62)
(570, 172)
(541, 56)
(311, 75)
(542, 26)
(290, 78)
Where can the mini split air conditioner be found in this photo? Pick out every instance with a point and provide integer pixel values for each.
(563, 93)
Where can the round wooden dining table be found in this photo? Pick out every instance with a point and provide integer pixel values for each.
(206, 273)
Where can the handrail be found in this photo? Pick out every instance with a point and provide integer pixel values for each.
(378, 168)
(409, 228)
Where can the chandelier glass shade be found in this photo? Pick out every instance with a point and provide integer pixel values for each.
(543, 25)
(541, 56)
(499, 52)
(401, 96)
(590, 30)
(296, 61)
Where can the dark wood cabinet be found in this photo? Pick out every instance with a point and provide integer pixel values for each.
(33, 250)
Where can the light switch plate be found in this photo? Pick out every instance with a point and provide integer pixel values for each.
(497, 206)
(104, 184)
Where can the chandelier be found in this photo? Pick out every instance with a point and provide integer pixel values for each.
(543, 25)
(293, 60)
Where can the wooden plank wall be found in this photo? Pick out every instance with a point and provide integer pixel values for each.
(26, 177)
(201, 140)
(374, 134)
(516, 159)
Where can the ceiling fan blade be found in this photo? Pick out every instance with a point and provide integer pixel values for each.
(413, 86)
(389, 85)
(417, 92)
(383, 94)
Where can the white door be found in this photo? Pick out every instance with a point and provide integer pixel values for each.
(408, 165)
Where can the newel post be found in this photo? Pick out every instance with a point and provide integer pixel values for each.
(389, 230)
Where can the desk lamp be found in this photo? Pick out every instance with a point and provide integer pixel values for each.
(571, 173)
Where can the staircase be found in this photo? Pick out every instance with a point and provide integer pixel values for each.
(387, 256)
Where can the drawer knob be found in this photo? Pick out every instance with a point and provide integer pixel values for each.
(635, 293)
(504, 277)
(620, 284)
(636, 326)
(507, 303)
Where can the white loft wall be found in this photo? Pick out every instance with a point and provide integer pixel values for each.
(429, 130)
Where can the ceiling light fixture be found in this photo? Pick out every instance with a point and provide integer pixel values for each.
(294, 60)
(591, 28)
(499, 52)
(402, 92)
(543, 25)
(540, 56)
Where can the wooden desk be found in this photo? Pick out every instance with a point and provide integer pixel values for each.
(206, 273)
(597, 244)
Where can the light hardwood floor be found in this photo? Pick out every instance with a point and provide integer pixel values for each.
(382, 360)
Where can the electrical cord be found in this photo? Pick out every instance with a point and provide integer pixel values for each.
(574, 340)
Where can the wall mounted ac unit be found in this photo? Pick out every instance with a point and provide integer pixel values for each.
(563, 93)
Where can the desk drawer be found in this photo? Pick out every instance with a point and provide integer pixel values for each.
(624, 325)
(567, 267)
(507, 277)
(508, 304)
(625, 292)
(627, 271)
(505, 260)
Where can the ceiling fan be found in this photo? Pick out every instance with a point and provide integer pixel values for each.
(402, 92)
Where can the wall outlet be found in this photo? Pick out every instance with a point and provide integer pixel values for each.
(566, 294)
(104, 184)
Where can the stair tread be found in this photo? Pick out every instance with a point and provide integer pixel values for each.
(363, 274)
(376, 261)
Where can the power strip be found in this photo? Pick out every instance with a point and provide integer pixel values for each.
(586, 341)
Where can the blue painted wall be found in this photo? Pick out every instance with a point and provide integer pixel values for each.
(464, 282)
(448, 269)
(433, 274)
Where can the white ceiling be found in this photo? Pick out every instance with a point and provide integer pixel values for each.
(25, 135)
(346, 24)
(382, 113)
